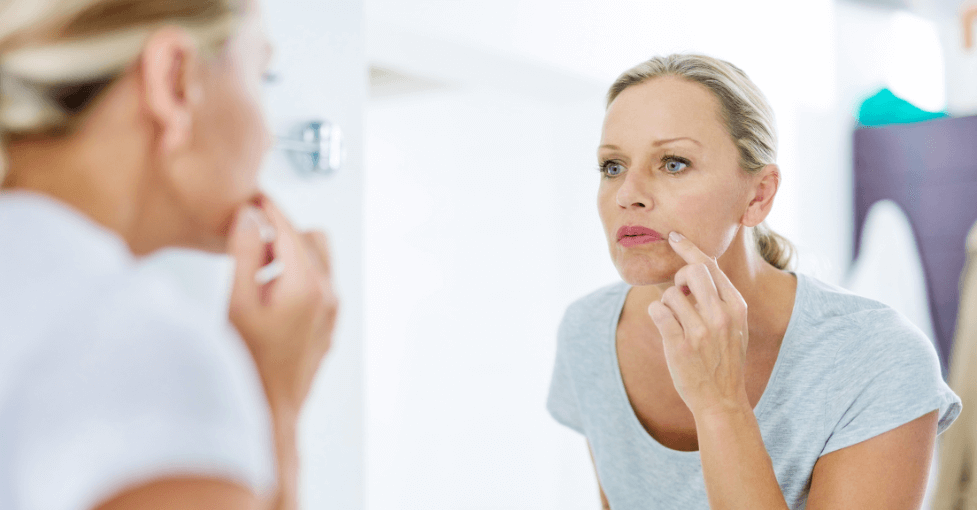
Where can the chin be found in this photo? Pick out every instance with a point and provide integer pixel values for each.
(639, 271)
(217, 246)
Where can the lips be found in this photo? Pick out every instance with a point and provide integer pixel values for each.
(631, 235)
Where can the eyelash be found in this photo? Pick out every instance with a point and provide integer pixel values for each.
(670, 157)
(666, 158)
(602, 167)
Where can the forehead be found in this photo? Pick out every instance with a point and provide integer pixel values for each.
(664, 108)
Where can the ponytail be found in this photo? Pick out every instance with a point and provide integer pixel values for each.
(773, 247)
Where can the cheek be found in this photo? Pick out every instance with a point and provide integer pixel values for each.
(230, 146)
(605, 203)
(239, 152)
(708, 219)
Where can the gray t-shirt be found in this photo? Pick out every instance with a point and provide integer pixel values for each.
(849, 369)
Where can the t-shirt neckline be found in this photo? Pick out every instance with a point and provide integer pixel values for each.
(786, 346)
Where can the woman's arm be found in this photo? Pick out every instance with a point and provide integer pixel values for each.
(198, 493)
(705, 349)
(735, 464)
(186, 494)
(286, 449)
(888, 471)
(705, 346)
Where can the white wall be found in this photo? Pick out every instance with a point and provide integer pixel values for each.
(474, 248)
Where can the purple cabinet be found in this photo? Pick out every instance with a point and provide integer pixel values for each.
(930, 170)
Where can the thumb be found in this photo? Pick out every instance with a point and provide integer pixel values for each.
(248, 249)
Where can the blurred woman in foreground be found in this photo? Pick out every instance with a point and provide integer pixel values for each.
(129, 126)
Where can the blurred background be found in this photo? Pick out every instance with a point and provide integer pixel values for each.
(464, 219)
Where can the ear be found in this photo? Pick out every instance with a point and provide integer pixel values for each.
(171, 84)
(765, 185)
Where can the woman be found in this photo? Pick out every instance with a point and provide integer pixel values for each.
(711, 377)
(129, 126)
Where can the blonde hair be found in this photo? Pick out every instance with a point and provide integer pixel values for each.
(748, 117)
(57, 55)
(956, 483)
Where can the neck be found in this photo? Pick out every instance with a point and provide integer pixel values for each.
(104, 181)
(106, 170)
(63, 170)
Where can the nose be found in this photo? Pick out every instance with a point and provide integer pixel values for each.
(631, 194)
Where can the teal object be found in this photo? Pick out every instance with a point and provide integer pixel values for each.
(886, 108)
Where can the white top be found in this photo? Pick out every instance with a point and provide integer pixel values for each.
(108, 378)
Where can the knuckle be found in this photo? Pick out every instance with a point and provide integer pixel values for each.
(698, 332)
(672, 293)
(682, 273)
(318, 237)
(723, 321)
(658, 311)
(738, 308)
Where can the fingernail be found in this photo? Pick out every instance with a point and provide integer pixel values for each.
(269, 272)
(265, 230)
(675, 237)
(247, 220)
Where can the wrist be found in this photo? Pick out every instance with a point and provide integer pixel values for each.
(287, 460)
(723, 410)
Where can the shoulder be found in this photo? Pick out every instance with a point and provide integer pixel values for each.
(137, 337)
(849, 323)
(136, 382)
(871, 349)
(595, 308)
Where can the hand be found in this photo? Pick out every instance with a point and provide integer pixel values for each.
(704, 343)
(287, 323)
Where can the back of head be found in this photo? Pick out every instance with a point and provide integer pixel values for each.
(748, 118)
(57, 55)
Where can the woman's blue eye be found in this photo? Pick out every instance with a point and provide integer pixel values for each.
(674, 166)
(612, 169)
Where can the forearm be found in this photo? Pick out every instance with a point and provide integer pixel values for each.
(286, 451)
(735, 464)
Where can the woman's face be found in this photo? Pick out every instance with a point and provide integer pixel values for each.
(667, 164)
(230, 135)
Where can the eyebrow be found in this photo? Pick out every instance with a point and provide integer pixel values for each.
(656, 143)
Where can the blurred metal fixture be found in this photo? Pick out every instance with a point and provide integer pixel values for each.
(317, 148)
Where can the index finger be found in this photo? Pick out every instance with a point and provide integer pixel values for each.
(288, 247)
(276, 216)
(693, 255)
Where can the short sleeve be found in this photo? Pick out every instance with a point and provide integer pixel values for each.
(886, 377)
(562, 402)
(149, 390)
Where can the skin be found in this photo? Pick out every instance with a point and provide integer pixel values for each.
(169, 156)
(695, 365)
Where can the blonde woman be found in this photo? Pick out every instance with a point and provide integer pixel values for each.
(712, 377)
(128, 126)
